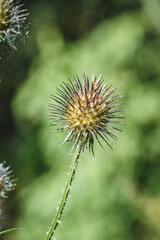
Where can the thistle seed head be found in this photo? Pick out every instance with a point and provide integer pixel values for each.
(12, 19)
(88, 111)
(7, 184)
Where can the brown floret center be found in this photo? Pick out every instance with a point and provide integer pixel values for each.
(3, 16)
(1, 183)
(84, 112)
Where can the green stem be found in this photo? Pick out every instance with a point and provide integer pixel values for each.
(71, 174)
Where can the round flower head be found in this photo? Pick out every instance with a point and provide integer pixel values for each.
(6, 182)
(12, 18)
(88, 111)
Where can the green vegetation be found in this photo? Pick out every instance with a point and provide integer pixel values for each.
(116, 195)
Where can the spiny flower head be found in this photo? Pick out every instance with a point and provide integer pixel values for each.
(87, 110)
(12, 18)
(7, 184)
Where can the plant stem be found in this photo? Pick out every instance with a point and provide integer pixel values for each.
(66, 191)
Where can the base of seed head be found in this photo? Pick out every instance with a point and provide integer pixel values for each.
(88, 110)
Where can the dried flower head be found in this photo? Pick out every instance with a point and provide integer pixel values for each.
(7, 183)
(12, 18)
(87, 110)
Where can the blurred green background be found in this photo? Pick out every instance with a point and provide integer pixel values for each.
(116, 194)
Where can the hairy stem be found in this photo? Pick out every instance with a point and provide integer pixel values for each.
(61, 207)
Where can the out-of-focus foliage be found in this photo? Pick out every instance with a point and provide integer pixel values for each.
(116, 195)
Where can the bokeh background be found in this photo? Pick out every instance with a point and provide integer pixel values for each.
(116, 194)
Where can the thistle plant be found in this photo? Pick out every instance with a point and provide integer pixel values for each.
(12, 19)
(88, 111)
(7, 182)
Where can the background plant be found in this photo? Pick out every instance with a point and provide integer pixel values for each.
(7, 184)
(119, 40)
(12, 19)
